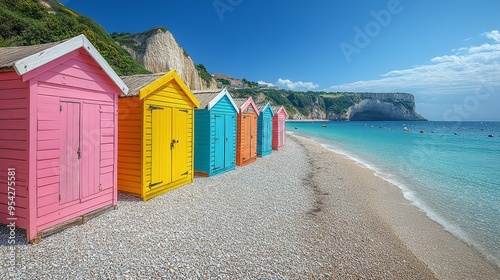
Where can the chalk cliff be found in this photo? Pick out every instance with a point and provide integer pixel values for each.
(382, 107)
(339, 106)
(158, 51)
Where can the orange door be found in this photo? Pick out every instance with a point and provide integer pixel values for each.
(247, 138)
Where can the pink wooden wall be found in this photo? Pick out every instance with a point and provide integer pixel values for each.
(14, 144)
(72, 103)
(279, 130)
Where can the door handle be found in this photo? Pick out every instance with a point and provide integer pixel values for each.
(173, 143)
(79, 153)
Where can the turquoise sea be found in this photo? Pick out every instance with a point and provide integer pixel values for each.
(451, 170)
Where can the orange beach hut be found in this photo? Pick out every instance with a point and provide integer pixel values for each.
(246, 135)
(155, 132)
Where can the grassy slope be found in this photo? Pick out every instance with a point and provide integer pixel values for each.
(303, 102)
(29, 22)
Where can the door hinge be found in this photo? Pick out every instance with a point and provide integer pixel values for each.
(183, 110)
(59, 197)
(152, 107)
(151, 185)
(79, 153)
(60, 108)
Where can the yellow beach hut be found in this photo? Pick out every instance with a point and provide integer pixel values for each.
(155, 134)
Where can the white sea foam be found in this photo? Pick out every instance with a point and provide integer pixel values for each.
(413, 198)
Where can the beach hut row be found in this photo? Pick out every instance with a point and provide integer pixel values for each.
(73, 133)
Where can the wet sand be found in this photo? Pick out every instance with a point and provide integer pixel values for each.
(383, 220)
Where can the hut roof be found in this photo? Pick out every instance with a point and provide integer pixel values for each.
(10, 55)
(145, 84)
(24, 59)
(263, 107)
(208, 98)
(240, 101)
(243, 103)
(205, 97)
(136, 82)
(276, 109)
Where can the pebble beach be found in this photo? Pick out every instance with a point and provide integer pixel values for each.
(300, 213)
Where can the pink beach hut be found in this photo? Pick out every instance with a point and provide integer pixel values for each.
(58, 135)
(279, 129)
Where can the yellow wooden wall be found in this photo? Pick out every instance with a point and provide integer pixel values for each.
(147, 167)
(170, 96)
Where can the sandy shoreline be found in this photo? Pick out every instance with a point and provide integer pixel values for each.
(300, 213)
(444, 254)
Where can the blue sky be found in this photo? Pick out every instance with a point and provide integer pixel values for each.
(446, 53)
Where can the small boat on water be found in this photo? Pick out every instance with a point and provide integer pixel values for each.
(491, 135)
(324, 125)
(421, 131)
(406, 129)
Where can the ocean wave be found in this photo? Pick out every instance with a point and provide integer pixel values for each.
(410, 196)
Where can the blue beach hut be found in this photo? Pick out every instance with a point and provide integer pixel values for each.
(215, 133)
(265, 130)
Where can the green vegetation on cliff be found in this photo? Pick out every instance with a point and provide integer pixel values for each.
(202, 71)
(304, 102)
(31, 22)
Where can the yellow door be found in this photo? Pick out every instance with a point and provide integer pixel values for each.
(160, 145)
(179, 144)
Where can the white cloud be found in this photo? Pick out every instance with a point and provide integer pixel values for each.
(265, 83)
(463, 71)
(298, 86)
(494, 35)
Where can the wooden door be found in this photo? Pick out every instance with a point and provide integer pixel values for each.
(247, 147)
(70, 153)
(160, 145)
(219, 142)
(90, 149)
(267, 141)
(179, 144)
(229, 130)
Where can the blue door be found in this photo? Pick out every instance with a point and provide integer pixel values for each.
(229, 150)
(267, 142)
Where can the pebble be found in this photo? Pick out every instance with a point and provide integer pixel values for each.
(241, 224)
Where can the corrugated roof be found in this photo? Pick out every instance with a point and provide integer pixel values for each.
(205, 97)
(9, 55)
(137, 82)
